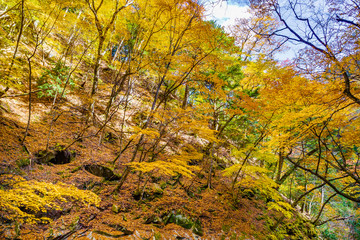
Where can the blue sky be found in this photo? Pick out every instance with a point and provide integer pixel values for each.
(225, 12)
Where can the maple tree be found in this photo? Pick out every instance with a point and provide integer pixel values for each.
(313, 102)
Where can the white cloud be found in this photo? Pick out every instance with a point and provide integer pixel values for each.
(225, 14)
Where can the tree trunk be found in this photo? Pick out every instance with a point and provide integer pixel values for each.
(97, 66)
(280, 165)
(186, 95)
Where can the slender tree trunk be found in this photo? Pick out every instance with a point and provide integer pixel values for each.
(16, 46)
(280, 165)
(186, 96)
(97, 66)
(211, 168)
(29, 112)
(123, 124)
(117, 51)
(303, 205)
(118, 86)
(127, 169)
(322, 195)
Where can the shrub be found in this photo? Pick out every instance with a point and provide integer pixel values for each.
(52, 81)
(29, 201)
(23, 162)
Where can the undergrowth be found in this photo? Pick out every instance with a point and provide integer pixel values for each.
(30, 201)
